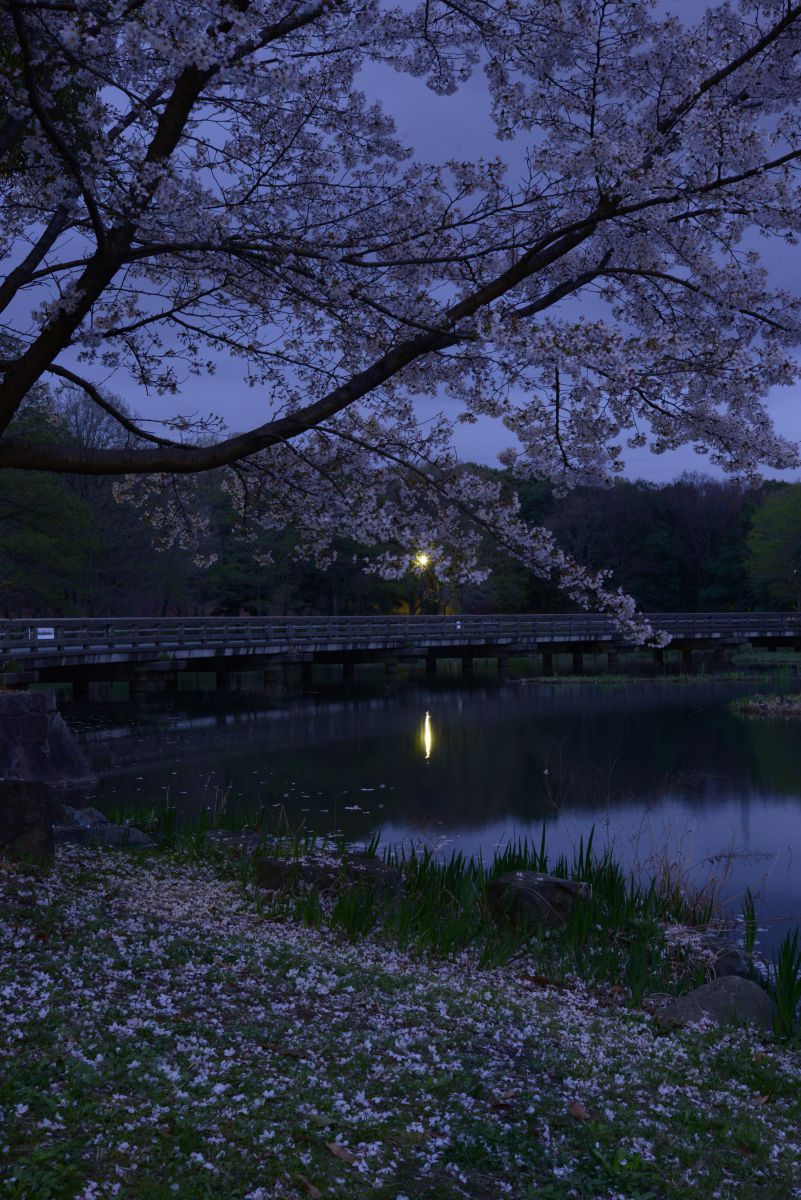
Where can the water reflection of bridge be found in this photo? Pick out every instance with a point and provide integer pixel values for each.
(152, 654)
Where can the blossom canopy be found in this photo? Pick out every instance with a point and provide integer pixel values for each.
(185, 183)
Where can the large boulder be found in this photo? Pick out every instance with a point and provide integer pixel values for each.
(529, 897)
(729, 960)
(36, 744)
(26, 820)
(89, 818)
(238, 843)
(88, 827)
(728, 1000)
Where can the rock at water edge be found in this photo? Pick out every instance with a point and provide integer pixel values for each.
(36, 744)
(101, 834)
(536, 899)
(728, 1000)
(26, 820)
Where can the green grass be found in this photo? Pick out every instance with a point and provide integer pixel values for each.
(159, 1034)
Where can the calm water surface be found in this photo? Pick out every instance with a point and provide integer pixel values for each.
(660, 769)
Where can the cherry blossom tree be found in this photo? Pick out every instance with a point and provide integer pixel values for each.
(190, 182)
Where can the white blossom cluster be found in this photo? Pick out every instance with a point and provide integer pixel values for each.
(187, 184)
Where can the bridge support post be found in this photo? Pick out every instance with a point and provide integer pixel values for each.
(391, 669)
(467, 664)
(686, 658)
(431, 665)
(547, 662)
(146, 684)
(578, 662)
(612, 660)
(503, 666)
(348, 670)
(273, 677)
(307, 674)
(659, 658)
(719, 656)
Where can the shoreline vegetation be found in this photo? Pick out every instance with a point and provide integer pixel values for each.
(768, 705)
(234, 1015)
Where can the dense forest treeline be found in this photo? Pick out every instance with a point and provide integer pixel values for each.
(69, 548)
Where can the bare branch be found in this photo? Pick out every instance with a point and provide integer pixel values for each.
(99, 399)
(25, 271)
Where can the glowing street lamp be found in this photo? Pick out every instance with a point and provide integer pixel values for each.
(423, 576)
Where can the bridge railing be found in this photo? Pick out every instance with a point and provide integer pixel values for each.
(74, 634)
(29, 637)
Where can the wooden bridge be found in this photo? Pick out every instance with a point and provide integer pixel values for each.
(151, 652)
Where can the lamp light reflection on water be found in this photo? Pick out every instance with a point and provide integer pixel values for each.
(427, 737)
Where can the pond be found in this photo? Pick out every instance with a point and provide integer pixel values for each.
(662, 770)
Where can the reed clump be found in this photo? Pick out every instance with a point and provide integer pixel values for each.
(633, 933)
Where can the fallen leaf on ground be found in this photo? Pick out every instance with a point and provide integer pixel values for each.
(577, 1110)
(312, 1192)
(278, 1048)
(545, 981)
(340, 1152)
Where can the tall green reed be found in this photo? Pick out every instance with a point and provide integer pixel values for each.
(786, 986)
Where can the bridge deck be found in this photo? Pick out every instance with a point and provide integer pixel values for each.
(35, 644)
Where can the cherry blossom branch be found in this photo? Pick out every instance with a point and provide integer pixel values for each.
(116, 242)
(56, 139)
(789, 19)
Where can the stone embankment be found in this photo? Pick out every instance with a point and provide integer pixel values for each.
(41, 765)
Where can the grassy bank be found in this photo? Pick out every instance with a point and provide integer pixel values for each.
(164, 1033)
(639, 937)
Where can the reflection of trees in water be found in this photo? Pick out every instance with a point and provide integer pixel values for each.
(777, 754)
(524, 752)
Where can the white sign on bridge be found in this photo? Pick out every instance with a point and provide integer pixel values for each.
(42, 633)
